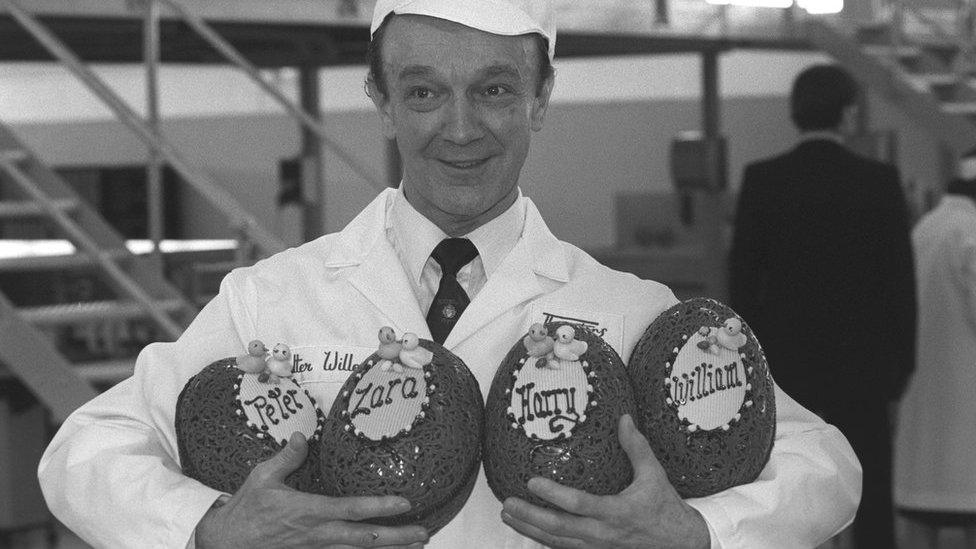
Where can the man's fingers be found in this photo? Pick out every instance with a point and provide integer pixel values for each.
(370, 535)
(364, 507)
(514, 515)
(556, 523)
(570, 499)
(287, 460)
(642, 458)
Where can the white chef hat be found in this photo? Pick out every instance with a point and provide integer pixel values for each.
(505, 17)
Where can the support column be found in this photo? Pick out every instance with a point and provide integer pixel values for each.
(712, 202)
(662, 12)
(312, 158)
(154, 162)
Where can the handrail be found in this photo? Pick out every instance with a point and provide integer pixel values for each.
(77, 235)
(240, 219)
(957, 36)
(231, 54)
(934, 25)
(30, 356)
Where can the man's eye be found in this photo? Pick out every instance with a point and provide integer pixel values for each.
(495, 91)
(420, 93)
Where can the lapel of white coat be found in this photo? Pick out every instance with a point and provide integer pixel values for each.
(516, 280)
(382, 280)
(379, 276)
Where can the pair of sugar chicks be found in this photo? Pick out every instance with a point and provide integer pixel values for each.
(729, 335)
(552, 350)
(269, 366)
(395, 354)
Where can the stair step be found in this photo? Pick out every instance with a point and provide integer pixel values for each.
(106, 371)
(215, 267)
(13, 155)
(21, 209)
(925, 82)
(87, 311)
(902, 52)
(54, 262)
(967, 108)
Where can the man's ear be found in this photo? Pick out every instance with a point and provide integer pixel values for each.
(383, 106)
(540, 104)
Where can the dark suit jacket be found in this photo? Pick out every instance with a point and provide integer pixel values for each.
(822, 270)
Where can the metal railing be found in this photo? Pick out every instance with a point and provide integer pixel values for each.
(79, 237)
(953, 25)
(242, 221)
(231, 54)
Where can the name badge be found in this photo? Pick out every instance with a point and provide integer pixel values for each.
(609, 326)
(322, 369)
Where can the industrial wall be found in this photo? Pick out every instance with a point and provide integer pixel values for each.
(608, 131)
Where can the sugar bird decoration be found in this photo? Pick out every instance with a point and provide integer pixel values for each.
(412, 355)
(254, 362)
(566, 347)
(729, 335)
(389, 349)
(708, 338)
(279, 365)
(538, 343)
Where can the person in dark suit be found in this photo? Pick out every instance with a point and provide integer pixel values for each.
(821, 268)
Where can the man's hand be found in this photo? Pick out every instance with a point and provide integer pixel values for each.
(648, 513)
(267, 513)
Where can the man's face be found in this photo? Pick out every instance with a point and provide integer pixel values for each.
(461, 104)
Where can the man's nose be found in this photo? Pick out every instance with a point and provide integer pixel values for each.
(463, 123)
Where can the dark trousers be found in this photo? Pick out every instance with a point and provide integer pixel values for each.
(867, 427)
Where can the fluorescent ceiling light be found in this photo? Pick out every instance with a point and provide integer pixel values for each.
(753, 3)
(811, 6)
(821, 6)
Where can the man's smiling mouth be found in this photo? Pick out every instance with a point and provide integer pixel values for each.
(464, 164)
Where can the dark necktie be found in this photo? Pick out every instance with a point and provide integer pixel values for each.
(450, 300)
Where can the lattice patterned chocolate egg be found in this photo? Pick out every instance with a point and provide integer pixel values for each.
(227, 421)
(553, 412)
(415, 432)
(705, 397)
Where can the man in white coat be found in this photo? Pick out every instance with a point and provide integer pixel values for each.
(461, 85)
(934, 458)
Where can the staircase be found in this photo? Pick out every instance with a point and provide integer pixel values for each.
(916, 63)
(74, 343)
(52, 345)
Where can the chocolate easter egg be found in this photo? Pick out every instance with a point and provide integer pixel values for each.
(403, 427)
(705, 397)
(553, 411)
(227, 421)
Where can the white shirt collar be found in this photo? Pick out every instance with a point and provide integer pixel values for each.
(414, 236)
(821, 135)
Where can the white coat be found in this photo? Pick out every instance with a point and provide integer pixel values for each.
(935, 444)
(112, 472)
